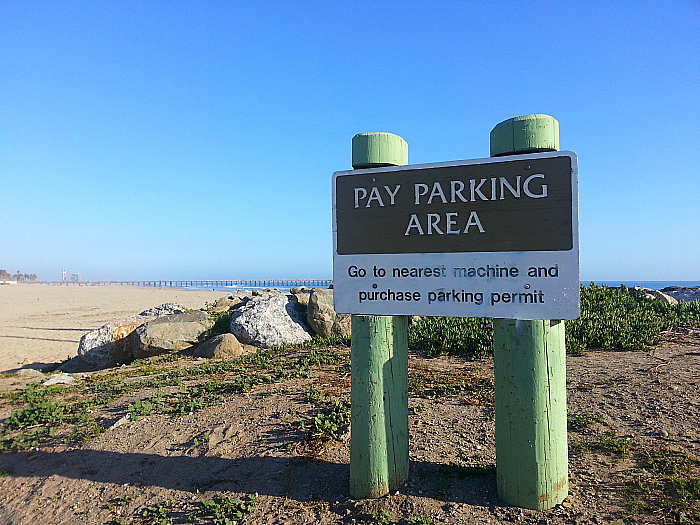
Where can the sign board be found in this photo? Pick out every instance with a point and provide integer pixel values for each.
(494, 237)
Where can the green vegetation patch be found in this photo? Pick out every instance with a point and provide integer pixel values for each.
(667, 485)
(435, 384)
(583, 421)
(468, 336)
(46, 413)
(224, 511)
(605, 442)
(611, 318)
(624, 318)
(330, 422)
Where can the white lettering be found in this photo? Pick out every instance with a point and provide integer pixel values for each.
(526, 187)
(416, 188)
(359, 191)
(414, 223)
(476, 189)
(437, 191)
(392, 195)
(473, 221)
(374, 196)
(451, 222)
(514, 191)
(456, 188)
(433, 219)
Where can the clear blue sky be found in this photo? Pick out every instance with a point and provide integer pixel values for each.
(168, 140)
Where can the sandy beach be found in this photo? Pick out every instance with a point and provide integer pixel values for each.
(43, 323)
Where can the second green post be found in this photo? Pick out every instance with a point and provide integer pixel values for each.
(530, 370)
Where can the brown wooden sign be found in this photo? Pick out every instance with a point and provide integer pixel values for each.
(493, 237)
(507, 205)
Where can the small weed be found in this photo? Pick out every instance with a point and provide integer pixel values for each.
(609, 442)
(222, 323)
(30, 438)
(5, 473)
(121, 501)
(331, 421)
(225, 511)
(38, 413)
(156, 514)
(381, 517)
(313, 395)
(140, 408)
(86, 431)
(578, 447)
(34, 393)
(425, 520)
(583, 421)
(201, 439)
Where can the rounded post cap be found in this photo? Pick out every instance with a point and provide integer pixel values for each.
(376, 149)
(526, 134)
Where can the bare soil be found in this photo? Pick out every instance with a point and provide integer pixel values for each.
(250, 445)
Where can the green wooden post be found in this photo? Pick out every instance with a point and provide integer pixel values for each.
(379, 367)
(530, 370)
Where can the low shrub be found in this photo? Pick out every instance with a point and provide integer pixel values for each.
(611, 318)
(469, 336)
(624, 319)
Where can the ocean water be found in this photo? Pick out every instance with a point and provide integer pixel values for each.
(231, 289)
(654, 285)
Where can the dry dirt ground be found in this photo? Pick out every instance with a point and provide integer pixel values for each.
(622, 405)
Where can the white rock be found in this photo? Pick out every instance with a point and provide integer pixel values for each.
(60, 379)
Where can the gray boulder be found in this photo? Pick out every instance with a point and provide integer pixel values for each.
(683, 293)
(164, 309)
(300, 298)
(169, 334)
(109, 345)
(224, 346)
(224, 304)
(655, 294)
(269, 320)
(75, 366)
(322, 317)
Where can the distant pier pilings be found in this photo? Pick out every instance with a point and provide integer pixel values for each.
(253, 283)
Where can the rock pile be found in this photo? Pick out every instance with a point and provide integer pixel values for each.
(254, 319)
(257, 319)
(683, 293)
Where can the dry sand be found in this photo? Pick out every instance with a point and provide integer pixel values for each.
(42, 323)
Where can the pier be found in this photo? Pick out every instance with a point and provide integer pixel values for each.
(253, 283)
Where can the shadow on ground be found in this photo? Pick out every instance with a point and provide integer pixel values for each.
(300, 478)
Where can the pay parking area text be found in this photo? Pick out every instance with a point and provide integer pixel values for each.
(516, 255)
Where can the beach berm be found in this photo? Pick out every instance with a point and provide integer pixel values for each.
(42, 323)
